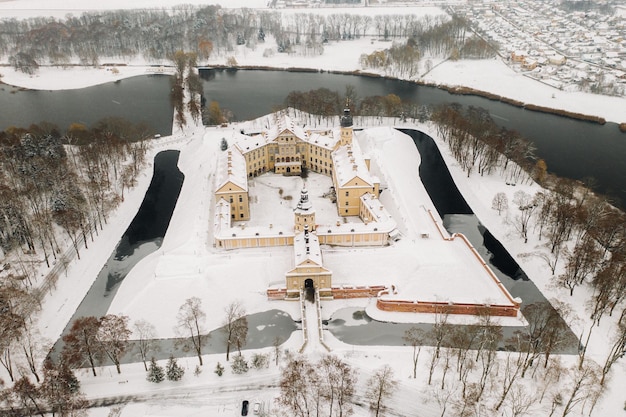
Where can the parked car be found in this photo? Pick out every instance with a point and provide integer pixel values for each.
(256, 408)
(244, 407)
(224, 144)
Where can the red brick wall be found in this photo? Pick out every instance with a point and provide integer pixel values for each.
(454, 308)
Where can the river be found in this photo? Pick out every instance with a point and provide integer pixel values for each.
(571, 148)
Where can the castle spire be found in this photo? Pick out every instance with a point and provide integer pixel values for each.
(304, 204)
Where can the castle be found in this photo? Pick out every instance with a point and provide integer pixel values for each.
(287, 149)
(445, 273)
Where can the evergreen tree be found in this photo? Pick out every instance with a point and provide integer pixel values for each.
(174, 371)
(219, 369)
(155, 372)
(239, 364)
(260, 361)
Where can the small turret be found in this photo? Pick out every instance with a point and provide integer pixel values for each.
(346, 119)
(304, 213)
(346, 127)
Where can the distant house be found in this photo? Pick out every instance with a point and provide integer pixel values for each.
(529, 64)
(557, 59)
(519, 56)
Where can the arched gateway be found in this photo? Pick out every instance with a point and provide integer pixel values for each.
(308, 271)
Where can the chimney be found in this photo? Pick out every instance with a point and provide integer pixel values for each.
(355, 167)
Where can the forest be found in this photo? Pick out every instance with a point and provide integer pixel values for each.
(156, 35)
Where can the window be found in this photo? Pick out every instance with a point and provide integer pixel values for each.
(232, 216)
(241, 199)
(231, 198)
(347, 193)
(347, 203)
(241, 215)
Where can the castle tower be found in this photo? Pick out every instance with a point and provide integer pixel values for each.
(346, 127)
(304, 213)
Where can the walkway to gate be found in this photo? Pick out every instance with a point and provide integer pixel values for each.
(312, 330)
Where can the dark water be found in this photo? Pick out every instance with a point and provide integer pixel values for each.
(143, 236)
(571, 148)
(139, 99)
(263, 329)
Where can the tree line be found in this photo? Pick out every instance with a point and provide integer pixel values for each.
(472, 368)
(323, 104)
(157, 34)
(443, 38)
(579, 230)
(56, 188)
(186, 88)
(42, 382)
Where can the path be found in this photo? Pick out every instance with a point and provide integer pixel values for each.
(312, 323)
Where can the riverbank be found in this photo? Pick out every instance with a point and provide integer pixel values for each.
(490, 78)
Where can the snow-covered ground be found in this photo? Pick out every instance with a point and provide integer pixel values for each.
(187, 265)
(180, 268)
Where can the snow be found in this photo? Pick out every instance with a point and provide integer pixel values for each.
(186, 264)
(61, 8)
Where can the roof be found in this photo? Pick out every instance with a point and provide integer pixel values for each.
(349, 163)
(282, 124)
(306, 248)
(231, 167)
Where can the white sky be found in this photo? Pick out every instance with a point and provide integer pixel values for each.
(186, 264)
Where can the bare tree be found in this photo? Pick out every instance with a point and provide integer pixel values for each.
(34, 347)
(12, 326)
(191, 320)
(618, 346)
(510, 372)
(338, 380)
(582, 262)
(526, 204)
(415, 337)
(81, 343)
(28, 396)
(583, 384)
(235, 326)
(380, 388)
(439, 333)
(519, 402)
(295, 388)
(61, 390)
(277, 342)
(500, 203)
(112, 335)
(145, 333)
(443, 397)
